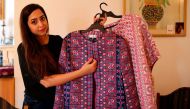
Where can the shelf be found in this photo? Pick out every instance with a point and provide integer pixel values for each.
(6, 46)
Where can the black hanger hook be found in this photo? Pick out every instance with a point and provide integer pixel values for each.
(102, 4)
(103, 11)
(108, 14)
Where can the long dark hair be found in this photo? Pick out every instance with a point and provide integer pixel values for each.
(39, 59)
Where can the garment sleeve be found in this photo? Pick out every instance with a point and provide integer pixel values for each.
(151, 51)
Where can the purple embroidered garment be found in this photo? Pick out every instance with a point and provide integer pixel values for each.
(112, 86)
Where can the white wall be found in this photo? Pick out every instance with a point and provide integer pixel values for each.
(170, 72)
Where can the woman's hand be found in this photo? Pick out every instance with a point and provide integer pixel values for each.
(89, 67)
(103, 20)
(58, 79)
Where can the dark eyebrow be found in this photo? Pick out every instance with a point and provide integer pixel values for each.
(43, 16)
(39, 17)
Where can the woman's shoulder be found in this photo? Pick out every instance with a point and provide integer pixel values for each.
(55, 40)
(55, 36)
(20, 47)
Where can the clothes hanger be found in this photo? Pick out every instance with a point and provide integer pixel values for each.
(109, 13)
(96, 24)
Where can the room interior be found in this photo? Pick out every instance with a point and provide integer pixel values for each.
(170, 72)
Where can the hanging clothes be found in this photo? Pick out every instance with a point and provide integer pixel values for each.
(144, 54)
(112, 86)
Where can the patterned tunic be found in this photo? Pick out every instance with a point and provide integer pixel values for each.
(143, 52)
(112, 86)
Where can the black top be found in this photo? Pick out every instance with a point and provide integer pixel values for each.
(32, 86)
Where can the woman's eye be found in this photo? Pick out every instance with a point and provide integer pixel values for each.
(34, 22)
(43, 18)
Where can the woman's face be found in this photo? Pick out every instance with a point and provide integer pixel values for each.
(37, 23)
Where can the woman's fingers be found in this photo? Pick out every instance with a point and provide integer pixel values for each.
(90, 60)
(94, 62)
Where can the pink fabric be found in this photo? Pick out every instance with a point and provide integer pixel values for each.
(144, 54)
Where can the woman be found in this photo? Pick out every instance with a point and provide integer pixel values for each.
(38, 57)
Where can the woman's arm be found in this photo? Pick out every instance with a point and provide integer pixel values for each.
(58, 79)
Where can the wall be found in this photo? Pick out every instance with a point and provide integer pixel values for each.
(170, 72)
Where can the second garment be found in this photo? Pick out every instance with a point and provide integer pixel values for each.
(112, 86)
